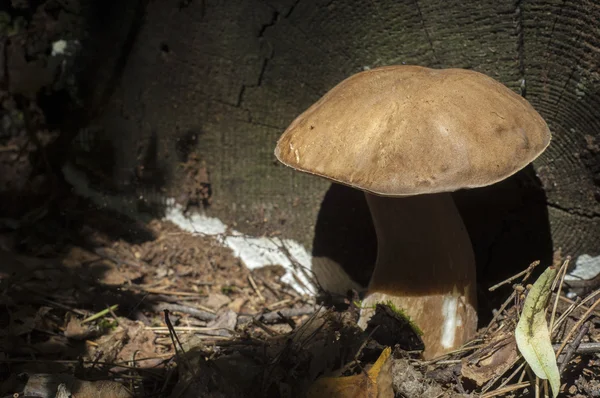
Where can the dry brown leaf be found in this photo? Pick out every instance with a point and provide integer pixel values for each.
(75, 330)
(108, 273)
(99, 389)
(492, 361)
(52, 345)
(224, 324)
(22, 321)
(110, 345)
(216, 300)
(140, 344)
(237, 304)
(47, 385)
(376, 383)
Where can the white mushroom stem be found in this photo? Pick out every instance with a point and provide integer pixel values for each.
(426, 267)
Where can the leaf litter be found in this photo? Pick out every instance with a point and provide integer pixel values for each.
(175, 314)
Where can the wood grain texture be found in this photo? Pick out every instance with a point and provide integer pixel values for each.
(237, 72)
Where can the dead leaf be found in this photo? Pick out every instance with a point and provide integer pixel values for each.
(107, 273)
(22, 321)
(409, 382)
(52, 345)
(376, 383)
(75, 330)
(237, 304)
(48, 385)
(532, 334)
(223, 325)
(99, 389)
(216, 301)
(140, 345)
(44, 321)
(110, 345)
(492, 361)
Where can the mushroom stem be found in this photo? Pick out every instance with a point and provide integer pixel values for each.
(425, 266)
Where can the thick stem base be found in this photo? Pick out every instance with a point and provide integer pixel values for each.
(425, 266)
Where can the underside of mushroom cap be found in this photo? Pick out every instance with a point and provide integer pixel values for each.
(408, 130)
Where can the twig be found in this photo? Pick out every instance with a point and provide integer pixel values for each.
(118, 364)
(198, 329)
(564, 315)
(298, 268)
(580, 304)
(578, 324)
(264, 327)
(499, 312)
(360, 350)
(253, 284)
(287, 320)
(115, 317)
(502, 391)
(583, 348)
(175, 340)
(274, 316)
(281, 303)
(63, 307)
(459, 386)
(559, 277)
(508, 379)
(200, 314)
(174, 293)
(526, 272)
(465, 347)
(202, 283)
(573, 347)
(201, 307)
(273, 289)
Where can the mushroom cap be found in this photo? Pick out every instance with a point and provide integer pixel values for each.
(409, 130)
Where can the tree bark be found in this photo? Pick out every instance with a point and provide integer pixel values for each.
(235, 73)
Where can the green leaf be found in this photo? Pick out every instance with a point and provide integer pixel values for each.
(532, 334)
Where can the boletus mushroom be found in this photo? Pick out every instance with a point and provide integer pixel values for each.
(408, 136)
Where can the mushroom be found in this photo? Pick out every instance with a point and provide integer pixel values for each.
(408, 136)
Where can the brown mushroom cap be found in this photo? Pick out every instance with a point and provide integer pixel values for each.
(407, 130)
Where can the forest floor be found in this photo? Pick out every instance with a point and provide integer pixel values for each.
(164, 312)
(93, 304)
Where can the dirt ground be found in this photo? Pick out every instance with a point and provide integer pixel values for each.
(163, 312)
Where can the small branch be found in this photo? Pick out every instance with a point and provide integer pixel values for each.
(253, 284)
(275, 316)
(560, 278)
(202, 315)
(573, 346)
(526, 272)
(577, 326)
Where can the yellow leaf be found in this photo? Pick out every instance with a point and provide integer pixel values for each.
(376, 383)
(532, 334)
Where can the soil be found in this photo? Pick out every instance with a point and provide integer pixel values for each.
(89, 295)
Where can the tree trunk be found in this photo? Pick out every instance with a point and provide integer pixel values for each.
(229, 76)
